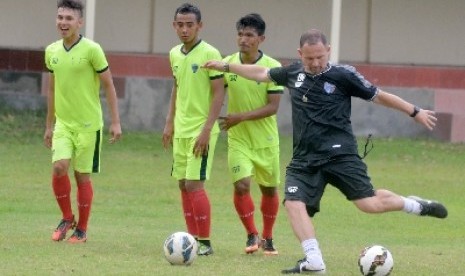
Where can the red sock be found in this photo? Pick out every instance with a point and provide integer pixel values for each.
(62, 190)
(189, 214)
(246, 209)
(201, 210)
(85, 193)
(269, 208)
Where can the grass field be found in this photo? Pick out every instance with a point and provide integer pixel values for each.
(137, 205)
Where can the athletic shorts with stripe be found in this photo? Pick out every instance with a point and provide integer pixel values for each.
(186, 165)
(83, 148)
(348, 173)
(260, 164)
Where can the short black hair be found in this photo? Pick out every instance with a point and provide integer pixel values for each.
(312, 37)
(188, 8)
(72, 4)
(252, 20)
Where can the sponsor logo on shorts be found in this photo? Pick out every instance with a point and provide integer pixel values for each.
(292, 189)
(236, 169)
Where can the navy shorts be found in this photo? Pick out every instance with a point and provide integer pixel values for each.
(348, 173)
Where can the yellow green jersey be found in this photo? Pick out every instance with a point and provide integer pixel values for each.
(245, 95)
(194, 91)
(77, 83)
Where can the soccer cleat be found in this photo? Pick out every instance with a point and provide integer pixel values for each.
(430, 208)
(268, 248)
(252, 244)
(304, 267)
(204, 249)
(78, 236)
(63, 227)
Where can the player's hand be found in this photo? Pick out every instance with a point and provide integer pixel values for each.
(426, 118)
(115, 132)
(229, 121)
(214, 64)
(201, 145)
(48, 138)
(167, 138)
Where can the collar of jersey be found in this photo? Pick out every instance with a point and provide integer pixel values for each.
(328, 67)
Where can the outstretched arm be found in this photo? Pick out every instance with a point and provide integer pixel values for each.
(421, 116)
(248, 71)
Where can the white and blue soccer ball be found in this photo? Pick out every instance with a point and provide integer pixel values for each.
(375, 260)
(180, 248)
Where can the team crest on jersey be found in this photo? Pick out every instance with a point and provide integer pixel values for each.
(195, 67)
(232, 77)
(329, 88)
(55, 60)
(300, 80)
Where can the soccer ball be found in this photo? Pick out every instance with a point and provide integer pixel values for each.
(375, 260)
(180, 248)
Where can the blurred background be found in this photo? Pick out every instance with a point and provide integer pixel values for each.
(413, 48)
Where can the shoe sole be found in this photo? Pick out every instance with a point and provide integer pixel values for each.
(270, 253)
(59, 238)
(442, 211)
(62, 235)
(77, 241)
(252, 249)
(297, 271)
(205, 254)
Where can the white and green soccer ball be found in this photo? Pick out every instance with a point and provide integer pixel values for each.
(375, 260)
(180, 248)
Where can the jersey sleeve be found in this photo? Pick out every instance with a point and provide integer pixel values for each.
(358, 86)
(48, 57)
(273, 87)
(214, 55)
(99, 60)
(278, 75)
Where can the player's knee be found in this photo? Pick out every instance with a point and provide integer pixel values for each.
(268, 191)
(241, 187)
(60, 169)
(293, 205)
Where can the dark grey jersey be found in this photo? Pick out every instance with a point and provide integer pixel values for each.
(321, 109)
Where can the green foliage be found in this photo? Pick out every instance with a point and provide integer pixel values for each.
(137, 205)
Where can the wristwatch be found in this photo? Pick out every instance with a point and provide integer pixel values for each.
(416, 109)
(226, 67)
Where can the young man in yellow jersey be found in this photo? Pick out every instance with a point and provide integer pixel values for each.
(74, 121)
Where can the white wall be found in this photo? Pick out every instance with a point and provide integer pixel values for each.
(424, 32)
(418, 32)
(286, 20)
(27, 24)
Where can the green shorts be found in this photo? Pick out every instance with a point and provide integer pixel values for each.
(83, 148)
(261, 164)
(186, 165)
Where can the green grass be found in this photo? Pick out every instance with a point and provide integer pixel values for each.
(137, 205)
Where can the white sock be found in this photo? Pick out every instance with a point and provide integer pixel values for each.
(313, 254)
(310, 247)
(411, 206)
